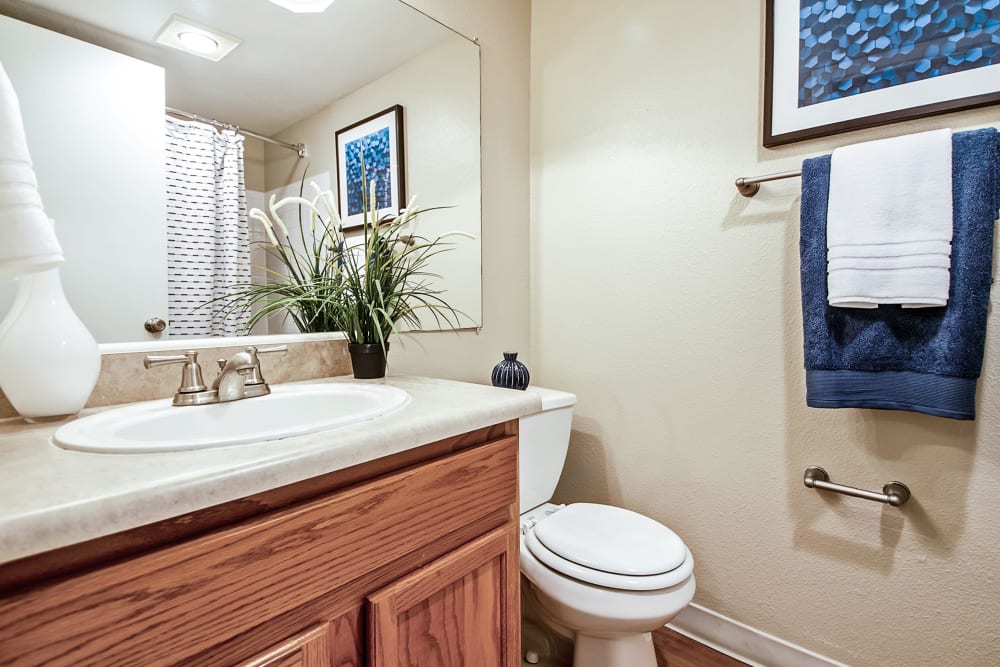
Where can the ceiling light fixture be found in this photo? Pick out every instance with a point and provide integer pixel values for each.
(200, 40)
(197, 42)
(304, 6)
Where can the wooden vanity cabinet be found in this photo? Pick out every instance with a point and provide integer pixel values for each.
(416, 565)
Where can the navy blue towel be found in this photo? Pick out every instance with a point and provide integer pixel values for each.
(924, 359)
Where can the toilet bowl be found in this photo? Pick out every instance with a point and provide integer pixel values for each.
(604, 576)
(609, 585)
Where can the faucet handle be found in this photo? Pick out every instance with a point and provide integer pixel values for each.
(255, 378)
(191, 377)
(268, 350)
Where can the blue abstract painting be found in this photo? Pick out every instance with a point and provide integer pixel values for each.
(375, 148)
(849, 48)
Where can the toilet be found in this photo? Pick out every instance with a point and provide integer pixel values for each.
(602, 576)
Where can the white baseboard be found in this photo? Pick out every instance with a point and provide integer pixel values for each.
(740, 641)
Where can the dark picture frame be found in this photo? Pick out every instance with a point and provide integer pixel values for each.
(379, 140)
(898, 67)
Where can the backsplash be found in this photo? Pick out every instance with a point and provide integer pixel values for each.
(124, 380)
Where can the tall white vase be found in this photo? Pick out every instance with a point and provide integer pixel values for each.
(49, 361)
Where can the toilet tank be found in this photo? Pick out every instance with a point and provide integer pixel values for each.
(544, 439)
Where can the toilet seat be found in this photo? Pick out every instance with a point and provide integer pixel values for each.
(610, 547)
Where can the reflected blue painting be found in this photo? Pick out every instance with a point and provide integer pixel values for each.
(375, 148)
(849, 48)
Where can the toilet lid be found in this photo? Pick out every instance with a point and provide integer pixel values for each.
(621, 582)
(611, 539)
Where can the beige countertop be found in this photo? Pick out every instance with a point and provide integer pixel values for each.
(51, 497)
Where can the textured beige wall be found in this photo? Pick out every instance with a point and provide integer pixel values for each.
(670, 305)
(254, 164)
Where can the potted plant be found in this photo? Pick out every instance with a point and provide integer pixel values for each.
(364, 285)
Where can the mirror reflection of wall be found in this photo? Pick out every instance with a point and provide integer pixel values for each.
(95, 124)
(95, 134)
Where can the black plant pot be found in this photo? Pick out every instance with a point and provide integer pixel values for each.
(368, 360)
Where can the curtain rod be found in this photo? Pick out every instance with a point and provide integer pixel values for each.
(298, 148)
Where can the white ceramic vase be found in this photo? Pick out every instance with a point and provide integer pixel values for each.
(49, 361)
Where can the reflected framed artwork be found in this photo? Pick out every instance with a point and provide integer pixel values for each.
(376, 143)
(838, 65)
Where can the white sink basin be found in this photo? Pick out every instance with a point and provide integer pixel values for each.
(290, 410)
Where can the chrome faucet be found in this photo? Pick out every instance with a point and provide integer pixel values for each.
(239, 376)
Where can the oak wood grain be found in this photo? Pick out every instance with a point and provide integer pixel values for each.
(453, 613)
(169, 605)
(343, 607)
(309, 649)
(347, 642)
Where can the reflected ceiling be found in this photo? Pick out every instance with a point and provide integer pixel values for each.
(288, 83)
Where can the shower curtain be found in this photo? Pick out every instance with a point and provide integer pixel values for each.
(208, 240)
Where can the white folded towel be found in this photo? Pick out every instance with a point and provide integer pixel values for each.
(890, 249)
(889, 222)
(28, 240)
(860, 264)
(866, 288)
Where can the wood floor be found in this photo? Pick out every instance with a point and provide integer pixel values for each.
(676, 650)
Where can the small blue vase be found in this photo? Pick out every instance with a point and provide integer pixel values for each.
(510, 373)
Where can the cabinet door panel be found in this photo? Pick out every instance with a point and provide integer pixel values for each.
(348, 642)
(310, 649)
(460, 611)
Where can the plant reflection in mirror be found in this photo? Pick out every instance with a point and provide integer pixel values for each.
(364, 285)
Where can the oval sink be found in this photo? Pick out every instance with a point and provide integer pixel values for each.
(290, 410)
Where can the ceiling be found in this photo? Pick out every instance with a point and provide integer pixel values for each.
(288, 67)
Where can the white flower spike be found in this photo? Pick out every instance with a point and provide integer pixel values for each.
(277, 218)
(258, 215)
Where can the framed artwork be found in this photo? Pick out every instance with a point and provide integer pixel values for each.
(838, 65)
(378, 142)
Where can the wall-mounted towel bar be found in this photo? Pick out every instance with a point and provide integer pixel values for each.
(748, 186)
(893, 493)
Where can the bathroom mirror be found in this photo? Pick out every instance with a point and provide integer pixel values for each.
(96, 129)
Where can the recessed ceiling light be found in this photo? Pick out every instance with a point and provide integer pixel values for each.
(304, 6)
(195, 38)
(197, 42)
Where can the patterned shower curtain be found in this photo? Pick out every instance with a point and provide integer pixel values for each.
(208, 240)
